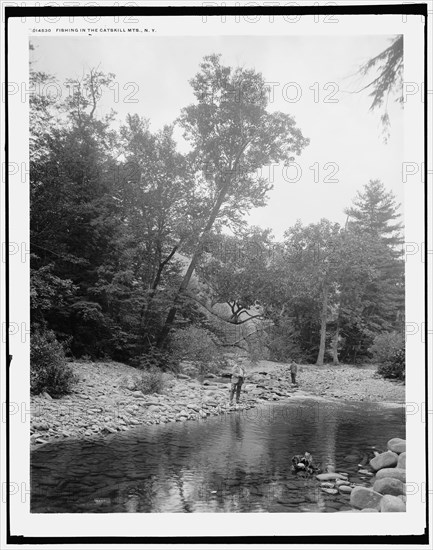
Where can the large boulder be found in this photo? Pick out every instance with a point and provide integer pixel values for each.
(401, 461)
(363, 497)
(389, 486)
(388, 459)
(390, 503)
(397, 473)
(397, 445)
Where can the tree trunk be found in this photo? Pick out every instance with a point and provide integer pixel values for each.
(335, 346)
(323, 320)
(162, 339)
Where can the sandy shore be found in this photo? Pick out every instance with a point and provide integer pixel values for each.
(105, 401)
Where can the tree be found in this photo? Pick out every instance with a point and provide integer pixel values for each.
(316, 269)
(235, 270)
(374, 211)
(74, 217)
(374, 215)
(232, 136)
(389, 80)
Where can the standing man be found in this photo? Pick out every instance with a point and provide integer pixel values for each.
(238, 377)
(293, 372)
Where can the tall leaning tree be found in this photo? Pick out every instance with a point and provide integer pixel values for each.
(232, 136)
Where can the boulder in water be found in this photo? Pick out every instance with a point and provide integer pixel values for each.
(363, 497)
(397, 445)
(397, 473)
(389, 486)
(384, 460)
(402, 460)
(390, 503)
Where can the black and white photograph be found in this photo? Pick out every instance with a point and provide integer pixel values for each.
(217, 274)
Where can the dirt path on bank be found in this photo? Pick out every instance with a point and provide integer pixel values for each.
(105, 400)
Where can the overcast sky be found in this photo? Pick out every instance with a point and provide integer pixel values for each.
(152, 75)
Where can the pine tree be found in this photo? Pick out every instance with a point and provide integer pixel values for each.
(375, 214)
(374, 211)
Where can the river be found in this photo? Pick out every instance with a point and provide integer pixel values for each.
(238, 462)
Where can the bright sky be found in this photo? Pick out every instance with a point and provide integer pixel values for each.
(346, 144)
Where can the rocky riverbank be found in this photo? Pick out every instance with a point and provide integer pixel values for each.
(386, 489)
(106, 399)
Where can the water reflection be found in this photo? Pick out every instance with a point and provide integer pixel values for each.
(234, 463)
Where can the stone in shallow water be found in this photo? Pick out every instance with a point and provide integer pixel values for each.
(401, 460)
(365, 472)
(397, 445)
(330, 491)
(363, 497)
(329, 476)
(389, 486)
(390, 503)
(384, 460)
(352, 458)
(397, 473)
(341, 482)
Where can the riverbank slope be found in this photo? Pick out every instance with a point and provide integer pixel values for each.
(106, 399)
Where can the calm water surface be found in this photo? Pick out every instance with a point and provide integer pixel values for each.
(237, 462)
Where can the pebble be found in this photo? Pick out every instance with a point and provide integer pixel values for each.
(341, 482)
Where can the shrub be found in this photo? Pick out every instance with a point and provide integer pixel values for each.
(151, 381)
(49, 370)
(385, 346)
(155, 359)
(394, 367)
(198, 345)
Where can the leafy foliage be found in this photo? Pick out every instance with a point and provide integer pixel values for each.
(387, 68)
(198, 345)
(151, 381)
(49, 370)
(395, 366)
(385, 345)
(121, 220)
